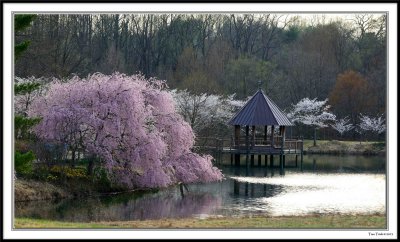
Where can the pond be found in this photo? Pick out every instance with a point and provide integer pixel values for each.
(326, 184)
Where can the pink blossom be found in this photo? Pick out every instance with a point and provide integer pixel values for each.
(130, 123)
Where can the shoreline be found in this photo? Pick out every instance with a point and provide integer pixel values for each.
(34, 190)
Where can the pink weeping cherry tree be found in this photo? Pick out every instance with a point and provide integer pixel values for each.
(130, 123)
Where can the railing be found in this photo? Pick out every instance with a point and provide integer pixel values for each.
(293, 144)
(218, 146)
(277, 141)
(242, 142)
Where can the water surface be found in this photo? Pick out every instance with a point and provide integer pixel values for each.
(325, 185)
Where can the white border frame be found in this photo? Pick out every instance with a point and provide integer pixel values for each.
(9, 8)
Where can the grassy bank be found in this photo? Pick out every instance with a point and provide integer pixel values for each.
(344, 147)
(33, 190)
(30, 190)
(315, 222)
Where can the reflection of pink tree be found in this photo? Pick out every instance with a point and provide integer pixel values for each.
(176, 206)
(161, 205)
(130, 123)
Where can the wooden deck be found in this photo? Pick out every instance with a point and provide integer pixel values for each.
(260, 150)
(257, 146)
(254, 151)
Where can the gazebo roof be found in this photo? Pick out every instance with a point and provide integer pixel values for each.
(260, 110)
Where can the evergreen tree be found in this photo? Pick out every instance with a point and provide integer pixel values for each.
(21, 22)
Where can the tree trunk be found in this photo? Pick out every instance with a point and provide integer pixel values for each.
(315, 136)
(73, 158)
(90, 166)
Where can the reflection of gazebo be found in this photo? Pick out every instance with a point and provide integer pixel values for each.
(261, 111)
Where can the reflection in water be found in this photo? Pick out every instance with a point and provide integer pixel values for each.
(241, 189)
(323, 184)
(236, 187)
(163, 204)
(327, 193)
(314, 164)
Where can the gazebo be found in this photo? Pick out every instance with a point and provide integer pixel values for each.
(261, 112)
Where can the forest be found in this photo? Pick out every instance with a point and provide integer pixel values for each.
(339, 59)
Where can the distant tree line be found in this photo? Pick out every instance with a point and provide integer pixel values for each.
(222, 54)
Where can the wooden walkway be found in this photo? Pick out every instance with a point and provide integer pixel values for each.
(250, 150)
(258, 146)
(260, 150)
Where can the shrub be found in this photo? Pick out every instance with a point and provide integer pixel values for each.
(68, 172)
(22, 146)
(101, 180)
(23, 163)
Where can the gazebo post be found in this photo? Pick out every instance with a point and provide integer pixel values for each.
(237, 159)
(272, 144)
(272, 135)
(253, 134)
(301, 155)
(247, 137)
(253, 137)
(265, 143)
(283, 164)
(236, 144)
(271, 162)
(282, 134)
(265, 134)
(237, 135)
(247, 146)
(282, 157)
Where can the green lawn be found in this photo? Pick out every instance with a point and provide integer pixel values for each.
(315, 222)
(345, 147)
(309, 142)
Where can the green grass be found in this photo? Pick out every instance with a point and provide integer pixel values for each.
(309, 142)
(344, 147)
(313, 222)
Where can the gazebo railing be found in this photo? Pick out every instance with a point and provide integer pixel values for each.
(258, 141)
(293, 144)
(241, 143)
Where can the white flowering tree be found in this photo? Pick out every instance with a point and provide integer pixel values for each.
(372, 124)
(342, 125)
(26, 90)
(205, 111)
(312, 113)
